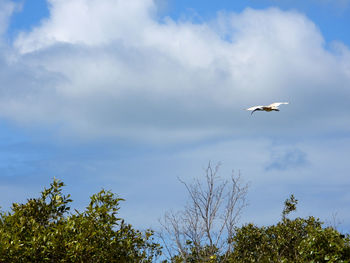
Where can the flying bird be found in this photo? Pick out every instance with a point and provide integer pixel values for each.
(271, 107)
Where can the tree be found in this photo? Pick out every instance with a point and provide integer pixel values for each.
(298, 241)
(43, 230)
(202, 231)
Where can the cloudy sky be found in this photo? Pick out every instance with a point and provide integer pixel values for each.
(130, 95)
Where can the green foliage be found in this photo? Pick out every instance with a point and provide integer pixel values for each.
(289, 205)
(42, 230)
(276, 243)
(299, 240)
(293, 241)
(325, 245)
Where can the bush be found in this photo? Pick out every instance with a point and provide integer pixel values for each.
(293, 241)
(43, 230)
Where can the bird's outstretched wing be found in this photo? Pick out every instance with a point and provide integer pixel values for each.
(255, 107)
(276, 104)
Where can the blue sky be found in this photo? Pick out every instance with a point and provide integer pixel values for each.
(131, 95)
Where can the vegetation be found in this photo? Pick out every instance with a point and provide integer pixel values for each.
(298, 240)
(201, 231)
(44, 230)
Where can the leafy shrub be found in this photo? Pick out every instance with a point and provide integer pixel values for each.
(43, 230)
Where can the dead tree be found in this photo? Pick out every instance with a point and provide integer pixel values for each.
(208, 220)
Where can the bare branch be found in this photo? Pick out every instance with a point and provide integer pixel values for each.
(209, 218)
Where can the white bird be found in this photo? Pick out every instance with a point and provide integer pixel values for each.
(271, 107)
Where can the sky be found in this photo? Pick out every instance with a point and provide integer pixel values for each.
(130, 95)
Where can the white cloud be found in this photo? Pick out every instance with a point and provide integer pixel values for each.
(90, 22)
(110, 68)
(6, 10)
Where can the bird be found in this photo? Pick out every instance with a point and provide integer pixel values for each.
(272, 107)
